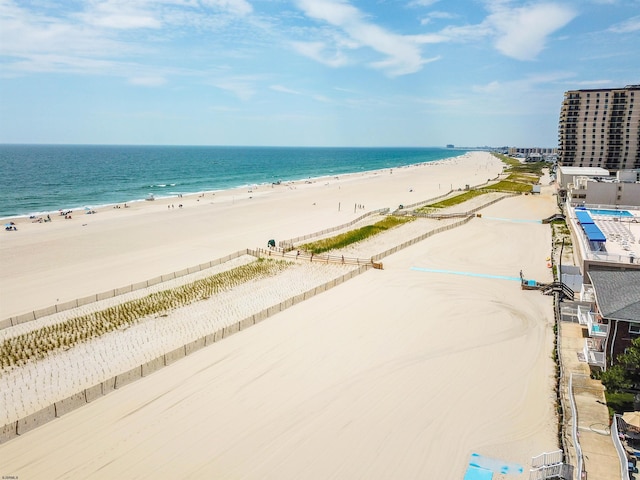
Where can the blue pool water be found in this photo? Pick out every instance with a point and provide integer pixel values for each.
(610, 213)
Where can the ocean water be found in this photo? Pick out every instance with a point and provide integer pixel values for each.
(46, 178)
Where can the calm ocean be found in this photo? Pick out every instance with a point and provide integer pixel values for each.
(46, 178)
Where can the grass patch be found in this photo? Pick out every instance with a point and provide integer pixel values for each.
(520, 179)
(514, 165)
(528, 178)
(509, 186)
(619, 402)
(39, 343)
(450, 202)
(354, 236)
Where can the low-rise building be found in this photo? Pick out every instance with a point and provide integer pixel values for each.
(606, 247)
(595, 186)
(612, 317)
(567, 175)
(603, 191)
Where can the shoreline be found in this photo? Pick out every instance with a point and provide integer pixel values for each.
(283, 181)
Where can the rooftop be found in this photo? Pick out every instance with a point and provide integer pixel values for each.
(594, 171)
(622, 234)
(617, 293)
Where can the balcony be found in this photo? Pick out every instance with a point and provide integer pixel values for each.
(593, 353)
(583, 318)
(589, 319)
(587, 294)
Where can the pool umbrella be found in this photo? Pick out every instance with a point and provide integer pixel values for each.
(632, 418)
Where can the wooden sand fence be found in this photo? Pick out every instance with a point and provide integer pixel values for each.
(61, 307)
(289, 244)
(87, 395)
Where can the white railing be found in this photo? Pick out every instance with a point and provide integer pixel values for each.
(547, 458)
(588, 318)
(611, 257)
(596, 206)
(574, 430)
(596, 329)
(615, 437)
(583, 315)
(547, 472)
(593, 356)
(587, 294)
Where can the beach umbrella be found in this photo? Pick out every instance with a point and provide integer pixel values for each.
(632, 418)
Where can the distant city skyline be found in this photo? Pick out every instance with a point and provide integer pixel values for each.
(306, 72)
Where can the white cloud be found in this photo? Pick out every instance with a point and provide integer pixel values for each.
(238, 7)
(101, 36)
(442, 102)
(150, 81)
(589, 83)
(402, 53)
(522, 31)
(318, 52)
(438, 15)
(283, 89)
(120, 14)
(422, 3)
(242, 87)
(628, 26)
(521, 85)
(490, 87)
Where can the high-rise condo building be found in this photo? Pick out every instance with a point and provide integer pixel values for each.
(600, 128)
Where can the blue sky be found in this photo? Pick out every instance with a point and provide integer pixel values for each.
(306, 72)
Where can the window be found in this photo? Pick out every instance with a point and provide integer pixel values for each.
(634, 328)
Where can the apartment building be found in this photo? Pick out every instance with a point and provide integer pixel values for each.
(600, 128)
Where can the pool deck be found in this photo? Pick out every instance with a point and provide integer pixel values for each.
(622, 233)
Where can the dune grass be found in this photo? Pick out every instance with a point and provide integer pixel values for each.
(449, 202)
(520, 180)
(39, 343)
(354, 236)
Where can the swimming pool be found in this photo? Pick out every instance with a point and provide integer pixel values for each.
(610, 213)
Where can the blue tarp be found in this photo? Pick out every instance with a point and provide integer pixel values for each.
(477, 473)
(583, 217)
(594, 234)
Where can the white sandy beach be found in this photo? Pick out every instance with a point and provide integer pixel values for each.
(397, 373)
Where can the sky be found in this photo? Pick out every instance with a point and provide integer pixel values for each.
(306, 72)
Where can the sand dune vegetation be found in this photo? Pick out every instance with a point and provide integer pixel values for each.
(37, 344)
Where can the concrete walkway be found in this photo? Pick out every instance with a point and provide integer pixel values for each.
(600, 457)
